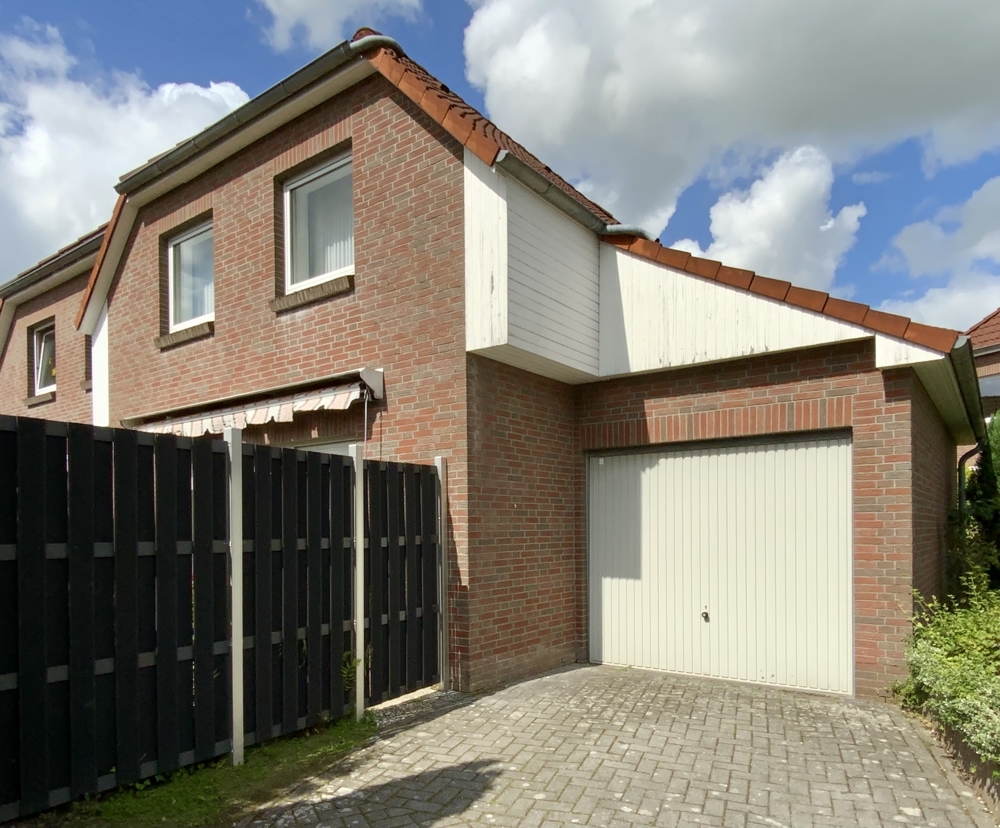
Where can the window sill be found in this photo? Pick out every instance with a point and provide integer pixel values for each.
(186, 335)
(40, 399)
(316, 293)
(87, 385)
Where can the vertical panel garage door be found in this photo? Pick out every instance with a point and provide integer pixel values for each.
(727, 560)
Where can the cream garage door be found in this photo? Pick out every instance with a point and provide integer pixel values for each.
(727, 560)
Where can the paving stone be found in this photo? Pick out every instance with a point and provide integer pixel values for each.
(600, 746)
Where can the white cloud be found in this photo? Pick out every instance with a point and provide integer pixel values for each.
(870, 177)
(638, 98)
(320, 24)
(962, 245)
(782, 226)
(65, 140)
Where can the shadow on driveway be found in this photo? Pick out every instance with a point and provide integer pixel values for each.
(419, 799)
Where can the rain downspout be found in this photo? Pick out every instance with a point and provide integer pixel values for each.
(965, 458)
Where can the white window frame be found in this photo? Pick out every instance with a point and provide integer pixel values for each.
(171, 245)
(37, 336)
(290, 187)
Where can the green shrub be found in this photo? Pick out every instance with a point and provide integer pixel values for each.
(954, 661)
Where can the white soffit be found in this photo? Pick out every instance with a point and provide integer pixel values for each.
(938, 378)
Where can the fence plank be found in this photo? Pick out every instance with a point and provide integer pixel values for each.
(314, 618)
(290, 577)
(204, 604)
(83, 760)
(126, 606)
(10, 783)
(395, 577)
(429, 590)
(165, 461)
(339, 531)
(376, 534)
(263, 623)
(32, 616)
(414, 672)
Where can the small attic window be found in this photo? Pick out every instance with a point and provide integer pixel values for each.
(44, 353)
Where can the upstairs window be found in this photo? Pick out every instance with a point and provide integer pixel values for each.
(191, 278)
(319, 226)
(44, 348)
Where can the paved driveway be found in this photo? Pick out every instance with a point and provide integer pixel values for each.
(601, 746)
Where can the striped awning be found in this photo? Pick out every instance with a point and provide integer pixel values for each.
(280, 410)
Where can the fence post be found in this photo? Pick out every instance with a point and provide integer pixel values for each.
(442, 563)
(234, 467)
(358, 455)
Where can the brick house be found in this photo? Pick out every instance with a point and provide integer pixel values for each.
(985, 336)
(38, 308)
(655, 460)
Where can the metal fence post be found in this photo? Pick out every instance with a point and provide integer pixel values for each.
(442, 563)
(234, 467)
(358, 455)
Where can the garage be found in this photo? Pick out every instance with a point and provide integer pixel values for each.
(727, 559)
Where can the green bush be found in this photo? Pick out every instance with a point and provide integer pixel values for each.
(954, 661)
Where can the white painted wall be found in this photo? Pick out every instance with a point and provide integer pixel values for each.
(758, 536)
(485, 255)
(100, 391)
(654, 317)
(553, 282)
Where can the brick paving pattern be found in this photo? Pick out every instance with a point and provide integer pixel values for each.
(600, 746)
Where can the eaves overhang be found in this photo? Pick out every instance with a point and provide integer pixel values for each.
(71, 261)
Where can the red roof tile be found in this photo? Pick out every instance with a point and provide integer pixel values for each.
(986, 332)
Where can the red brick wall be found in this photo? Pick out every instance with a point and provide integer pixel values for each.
(405, 314)
(934, 482)
(523, 524)
(71, 403)
(830, 387)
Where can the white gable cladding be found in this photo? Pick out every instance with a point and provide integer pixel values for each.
(654, 317)
(485, 255)
(543, 293)
(553, 282)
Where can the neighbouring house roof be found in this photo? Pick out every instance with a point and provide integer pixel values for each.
(986, 332)
(62, 258)
(66, 263)
(490, 144)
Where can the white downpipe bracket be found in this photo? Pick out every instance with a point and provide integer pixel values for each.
(358, 455)
(442, 565)
(234, 466)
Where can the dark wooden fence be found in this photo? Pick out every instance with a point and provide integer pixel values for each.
(115, 605)
(113, 609)
(401, 585)
(298, 559)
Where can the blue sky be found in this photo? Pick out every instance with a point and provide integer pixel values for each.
(849, 162)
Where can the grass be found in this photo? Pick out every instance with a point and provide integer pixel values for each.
(216, 794)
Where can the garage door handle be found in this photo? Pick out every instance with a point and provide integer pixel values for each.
(704, 615)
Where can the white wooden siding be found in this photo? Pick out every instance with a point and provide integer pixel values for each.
(485, 203)
(654, 317)
(542, 290)
(100, 390)
(553, 288)
(757, 536)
